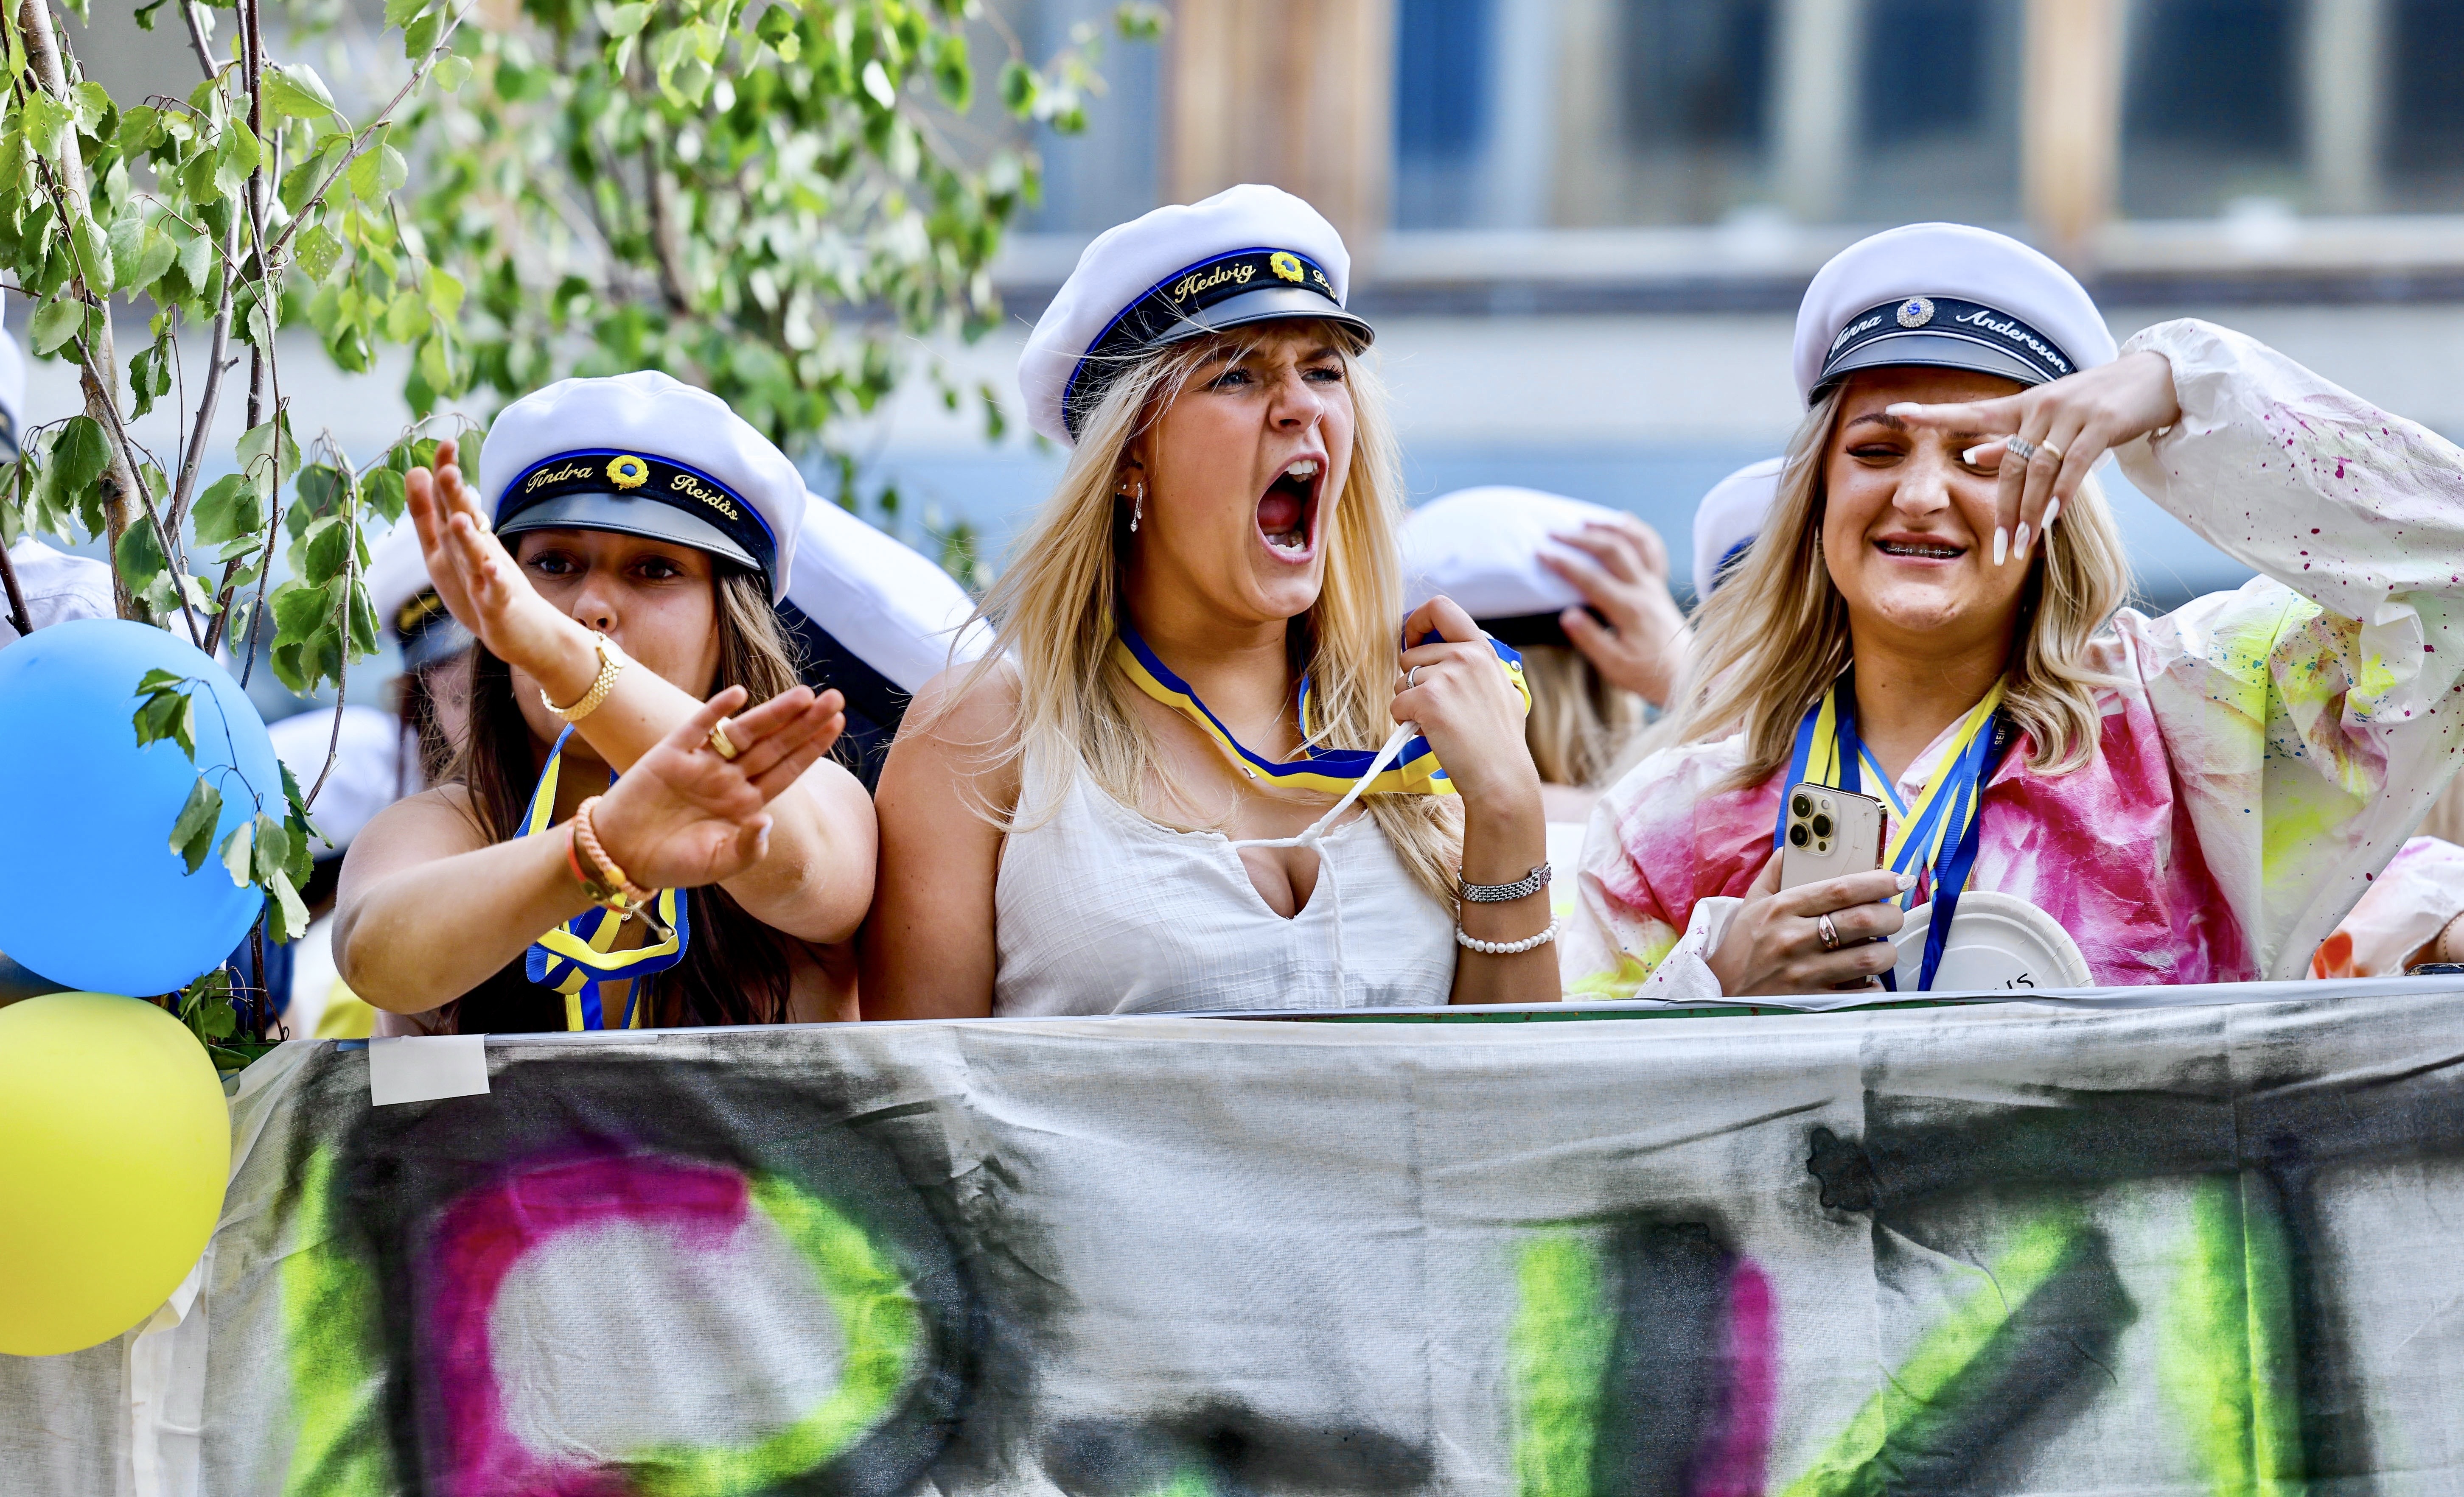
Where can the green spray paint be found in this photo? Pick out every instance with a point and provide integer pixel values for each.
(329, 1331)
(880, 1329)
(1914, 1400)
(2225, 1360)
(1558, 1351)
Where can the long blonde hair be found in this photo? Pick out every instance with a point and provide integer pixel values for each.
(1580, 726)
(1773, 638)
(1055, 609)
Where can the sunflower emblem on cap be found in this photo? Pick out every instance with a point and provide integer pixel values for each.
(1285, 264)
(1915, 312)
(629, 472)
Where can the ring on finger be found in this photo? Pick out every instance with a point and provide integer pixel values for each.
(1411, 678)
(2050, 450)
(720, 743)
(2020, 446)
(1829, 933)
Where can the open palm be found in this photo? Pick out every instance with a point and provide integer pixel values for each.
(683, 817)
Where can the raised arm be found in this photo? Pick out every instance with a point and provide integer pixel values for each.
(426, 910)
(929, 947)
(814, 882)
(2308, 718)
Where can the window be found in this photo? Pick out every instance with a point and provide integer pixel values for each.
(2211, 106)
(1938, 111)
(2423, 138)
(1441, 96)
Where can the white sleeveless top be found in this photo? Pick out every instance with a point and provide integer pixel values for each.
(1102, 911)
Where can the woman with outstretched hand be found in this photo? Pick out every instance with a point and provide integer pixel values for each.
(1215, 765)
(641, 830)
(1929, 618)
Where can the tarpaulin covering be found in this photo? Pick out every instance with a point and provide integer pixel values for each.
(2010, 1248)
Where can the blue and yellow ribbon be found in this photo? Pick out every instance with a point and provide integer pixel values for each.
(576, 957)
(1329, 770)
(1936, 838)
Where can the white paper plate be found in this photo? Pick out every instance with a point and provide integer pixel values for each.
(1998, 942)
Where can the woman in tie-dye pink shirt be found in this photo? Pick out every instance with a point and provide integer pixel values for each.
(2256, 758)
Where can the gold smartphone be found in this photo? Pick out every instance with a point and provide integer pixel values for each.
(1831, 834)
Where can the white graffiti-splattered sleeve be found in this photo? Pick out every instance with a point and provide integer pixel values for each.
(2309, 718)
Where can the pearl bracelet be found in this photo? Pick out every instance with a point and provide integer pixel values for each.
(1506, 948)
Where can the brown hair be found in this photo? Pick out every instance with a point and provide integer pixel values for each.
(735, 971)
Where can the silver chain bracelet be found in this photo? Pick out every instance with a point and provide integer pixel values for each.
(1522, 888)
(1506, 948)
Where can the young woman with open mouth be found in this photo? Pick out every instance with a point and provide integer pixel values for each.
(1929, 618)
(1145, 801)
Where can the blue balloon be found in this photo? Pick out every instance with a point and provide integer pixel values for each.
(96, 898)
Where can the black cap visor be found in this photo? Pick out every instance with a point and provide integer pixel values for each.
(628, 515)
(1931, 350)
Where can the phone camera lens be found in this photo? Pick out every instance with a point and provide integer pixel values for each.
(1802, 805)
(1797, 836)
(1822, 826)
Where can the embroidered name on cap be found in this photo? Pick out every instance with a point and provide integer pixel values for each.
(1947, 317)
(1175, 307)
(687, 483)
(564, 475)
(635, 478)
(1191, 285)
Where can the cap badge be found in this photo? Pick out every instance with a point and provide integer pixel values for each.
(631, 472)
(1915, 312)
(1285, 264)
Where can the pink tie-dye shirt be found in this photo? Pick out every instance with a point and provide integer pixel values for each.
(2265, 755)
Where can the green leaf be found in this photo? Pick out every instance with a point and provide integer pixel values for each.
(156, 253)
(78, 456)
(376, 172)
(192, 835)
(382, 490)
(317, 251)
(239, 851)
(301, 610)
(296, 91)
(268, 440)
(197, 258)
(46, 122)
(407, 317)
(287, 903)
(399, 12)
(230, 509)
(451, 72)
(626, 20)
(420, 35)
(1018, 87)
(444, 293)
(325, 550)
(93, 241)
(54, 322)
(141, 561)
(168, 715)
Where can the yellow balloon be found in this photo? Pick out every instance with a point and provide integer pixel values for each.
(114, 1146)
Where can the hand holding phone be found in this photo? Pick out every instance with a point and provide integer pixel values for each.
(1831, 834)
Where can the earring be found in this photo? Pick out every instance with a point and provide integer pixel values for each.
(1137, 495)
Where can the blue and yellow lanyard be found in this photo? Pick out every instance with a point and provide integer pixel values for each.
(1945, 820)
(575, 957)
(1331, 770)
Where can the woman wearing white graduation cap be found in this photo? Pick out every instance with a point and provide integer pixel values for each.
(641, 828)
(1217, 765)
(1928, 617)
